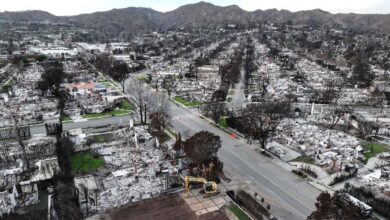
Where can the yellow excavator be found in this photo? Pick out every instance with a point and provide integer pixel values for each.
(210, 188)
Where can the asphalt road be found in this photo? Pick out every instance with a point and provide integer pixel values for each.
(238, 98)
(291, 198)
(294, 198)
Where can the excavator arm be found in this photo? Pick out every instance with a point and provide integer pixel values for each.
(208, 186)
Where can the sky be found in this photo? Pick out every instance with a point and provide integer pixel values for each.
(74, 7)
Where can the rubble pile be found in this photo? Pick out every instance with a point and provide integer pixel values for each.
(135, 169)
(23, 195)
(26, 103)
(20, 192)
(208, 79)
(379, 179)
(324, 145)
(89, 94)
(36, 147)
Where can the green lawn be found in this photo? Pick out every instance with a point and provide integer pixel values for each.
(238, 212)
(299, 173)
(127, 105)
(84, 162)
(108, 85)
(372, 149)
(143, 78)
(66, 118)
(126, 108)
(304, 159)
(223, 123)
(187, 103)
(106, 114)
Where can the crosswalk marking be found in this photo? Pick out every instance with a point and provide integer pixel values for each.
(180, 117)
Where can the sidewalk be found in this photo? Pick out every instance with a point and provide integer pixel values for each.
(321, 183)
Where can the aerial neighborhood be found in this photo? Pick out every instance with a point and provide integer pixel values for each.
(243, 117)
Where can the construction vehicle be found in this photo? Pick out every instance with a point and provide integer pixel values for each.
(210, 188)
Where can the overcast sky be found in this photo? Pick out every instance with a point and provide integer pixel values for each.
(73, 7)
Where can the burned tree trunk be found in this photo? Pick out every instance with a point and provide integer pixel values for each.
(259, 121)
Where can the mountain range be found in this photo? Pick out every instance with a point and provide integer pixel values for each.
(199, 15)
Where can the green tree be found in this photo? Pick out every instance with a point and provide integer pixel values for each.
(335, 207)
(104, 62)
(40, 58)
(259, 121)
(202, 147)
(51, 78)
(120, 72)
(362, 73)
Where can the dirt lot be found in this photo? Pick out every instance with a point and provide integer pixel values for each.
(166, 208)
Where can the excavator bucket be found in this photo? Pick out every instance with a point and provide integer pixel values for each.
(208, 195)
(209, 187)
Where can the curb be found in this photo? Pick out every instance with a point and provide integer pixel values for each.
(108, 116)
(221, 128)
(184, 106)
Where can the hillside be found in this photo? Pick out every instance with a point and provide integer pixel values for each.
(198, 15)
